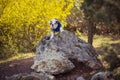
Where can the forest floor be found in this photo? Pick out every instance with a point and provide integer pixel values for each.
(104, 46)
(15, 67)
(23, 66)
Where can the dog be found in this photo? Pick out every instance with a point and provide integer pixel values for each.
(55, 26)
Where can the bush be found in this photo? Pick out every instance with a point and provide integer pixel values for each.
(7, 50)
(112, 59)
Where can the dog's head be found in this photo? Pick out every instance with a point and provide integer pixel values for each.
(53, 23)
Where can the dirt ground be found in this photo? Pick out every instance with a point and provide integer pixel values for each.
(23, 66)
(15, 67)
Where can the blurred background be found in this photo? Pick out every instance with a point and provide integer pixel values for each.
(24, 22)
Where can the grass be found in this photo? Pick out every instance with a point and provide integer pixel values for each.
(18, 56)
(100, 40)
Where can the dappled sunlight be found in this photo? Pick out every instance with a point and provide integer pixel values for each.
(18, 56)
(100, 40)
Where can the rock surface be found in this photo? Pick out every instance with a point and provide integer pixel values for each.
(102, 76)
(52, 63)
(32, 76)
(80, 78)
(54, 55)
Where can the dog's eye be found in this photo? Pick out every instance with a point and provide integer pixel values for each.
(56, 22)
(50, 23)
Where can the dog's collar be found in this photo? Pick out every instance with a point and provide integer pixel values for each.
(59, 24)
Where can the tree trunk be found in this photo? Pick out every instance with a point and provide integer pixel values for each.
(91, 31)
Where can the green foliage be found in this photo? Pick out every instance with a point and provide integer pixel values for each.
(104, 13)
(23, 23)
(112, 59)
(117, 73)
(109, 51)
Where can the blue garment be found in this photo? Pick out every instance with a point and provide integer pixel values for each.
(58, 27)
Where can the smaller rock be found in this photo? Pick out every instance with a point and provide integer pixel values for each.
(52, 63)
(80, 78)
(102, 76)
(32, 76)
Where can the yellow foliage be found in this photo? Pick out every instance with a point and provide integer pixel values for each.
(27, 12)
(24, 22)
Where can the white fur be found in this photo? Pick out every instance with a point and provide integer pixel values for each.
(53, 25)
(52, 35)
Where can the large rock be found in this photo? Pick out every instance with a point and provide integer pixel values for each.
(60, 50)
